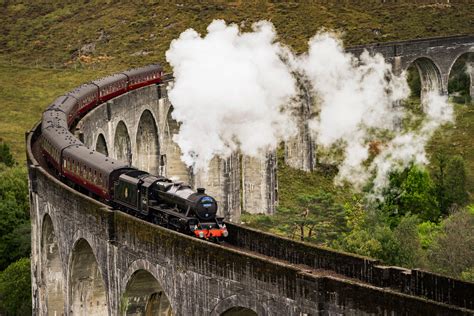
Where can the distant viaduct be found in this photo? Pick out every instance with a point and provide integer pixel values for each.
(88, 259)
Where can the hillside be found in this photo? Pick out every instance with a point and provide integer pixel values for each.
(122, 34)
(48, 47)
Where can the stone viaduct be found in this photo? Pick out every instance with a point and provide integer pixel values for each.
(88, 259)
(434, 59)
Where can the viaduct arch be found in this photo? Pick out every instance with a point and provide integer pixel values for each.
(122, 144)
(107, 262)
(432, 57)
(53, 275)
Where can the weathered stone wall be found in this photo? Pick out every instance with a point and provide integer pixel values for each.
(300, 151)
(411, 282)
(259, 184)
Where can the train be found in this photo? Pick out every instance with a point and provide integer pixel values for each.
(168, 203)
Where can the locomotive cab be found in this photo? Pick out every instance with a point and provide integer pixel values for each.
(128, 191)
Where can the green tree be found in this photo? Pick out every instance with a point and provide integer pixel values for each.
(5, 155)
(400, 246)
(373, 238)
(452, 251)
(450, 182)
(417, 195)
(456, 192)
(409, 191)
(410, 252)
(14, 186)
(14, 216)
(441, 161)
(427, 232)
(15, 289)
(468, 275)
(316, 218)
(369, 234)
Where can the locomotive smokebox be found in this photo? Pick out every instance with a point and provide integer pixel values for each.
(201, 190)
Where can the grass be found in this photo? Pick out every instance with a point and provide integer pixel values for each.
(293, 183)
(52, 33)
(25, 92)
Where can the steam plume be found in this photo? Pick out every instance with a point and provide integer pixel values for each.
(231, 92)
(236, 90)
(355, 98)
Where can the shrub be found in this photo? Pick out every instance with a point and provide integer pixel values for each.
(15, 289)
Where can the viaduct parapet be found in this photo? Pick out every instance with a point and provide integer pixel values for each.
(434, 59)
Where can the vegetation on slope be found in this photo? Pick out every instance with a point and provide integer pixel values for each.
(15, 278)
(24, 94)
(90, 38)
(49, 47)
(131, 33)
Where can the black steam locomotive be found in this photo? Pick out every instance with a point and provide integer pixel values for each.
(157, 199)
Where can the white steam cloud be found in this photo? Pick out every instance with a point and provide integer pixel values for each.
(231, 91)
(409, 147)
(237, 91)
(355, 97)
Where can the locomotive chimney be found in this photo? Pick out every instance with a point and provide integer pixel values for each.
(201, 190)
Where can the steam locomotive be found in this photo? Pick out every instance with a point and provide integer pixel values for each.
(154, 198)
